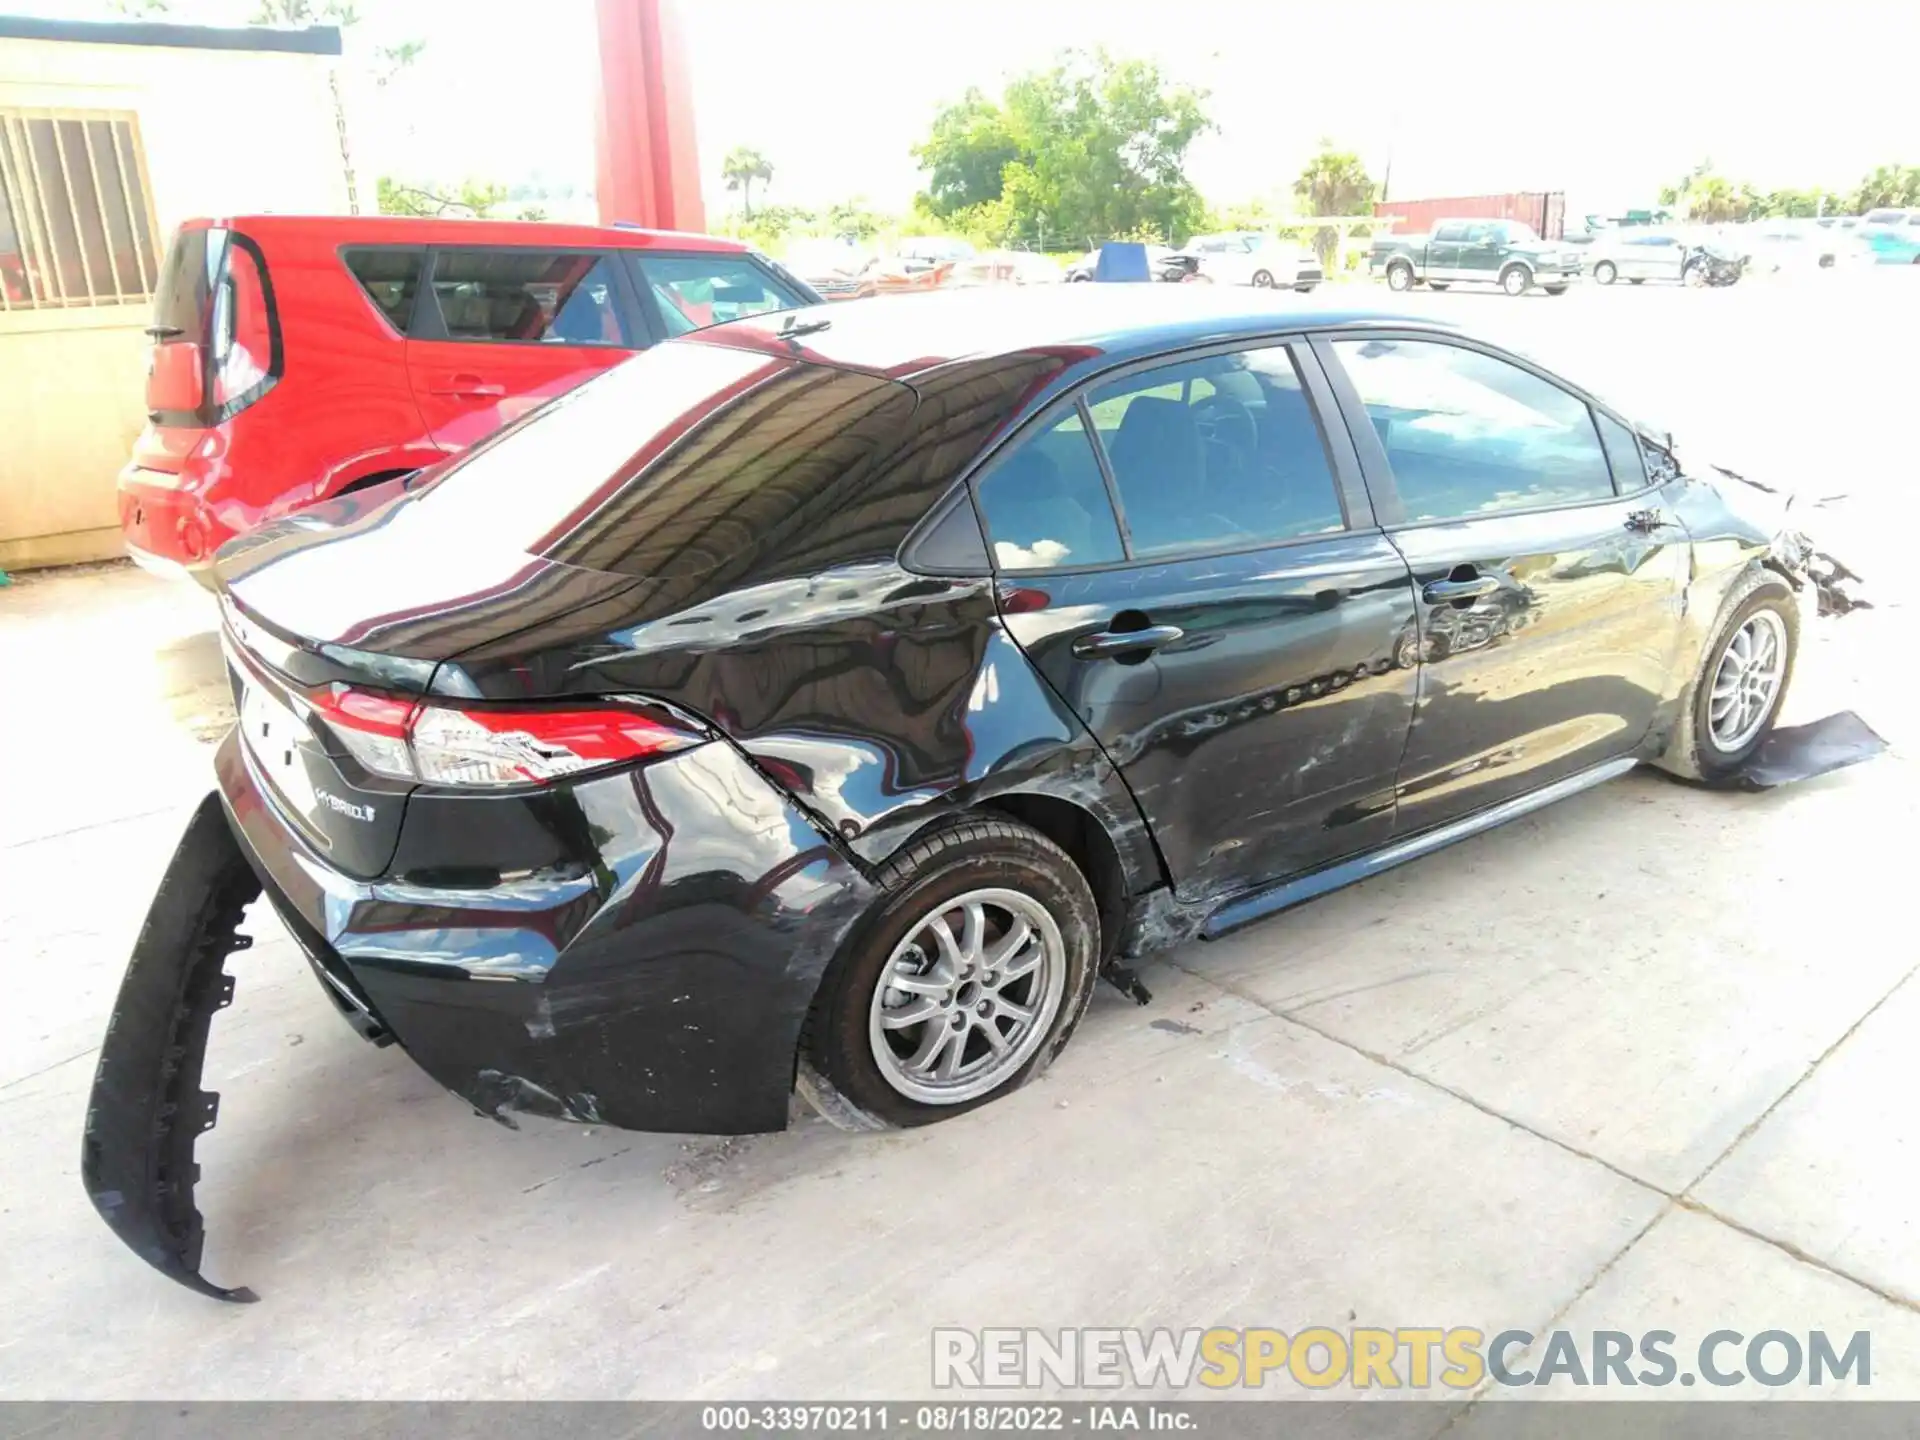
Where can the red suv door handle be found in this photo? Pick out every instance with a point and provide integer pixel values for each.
(470, 387)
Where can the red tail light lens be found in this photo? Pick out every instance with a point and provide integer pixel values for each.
(177, 378)
(242, 332)
(524, 745)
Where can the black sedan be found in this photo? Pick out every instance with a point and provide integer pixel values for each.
(827, 700)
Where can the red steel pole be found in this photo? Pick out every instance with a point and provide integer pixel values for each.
(647, 169)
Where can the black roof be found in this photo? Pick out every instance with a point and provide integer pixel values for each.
(312, 40)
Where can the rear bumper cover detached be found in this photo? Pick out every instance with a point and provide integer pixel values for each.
(655, 974)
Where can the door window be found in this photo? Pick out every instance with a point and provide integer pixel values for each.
(1467, 434)
(539, 297)
(692, 291)
(1218, 453)
(1046, 504)
(1623, 453)
(1451, 231)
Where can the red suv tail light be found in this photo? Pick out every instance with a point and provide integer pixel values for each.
(215, 329)
(473, 748)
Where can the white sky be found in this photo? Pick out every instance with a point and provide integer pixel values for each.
(1605, 99)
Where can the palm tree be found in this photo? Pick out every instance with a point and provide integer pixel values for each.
(742, 167)
(1334, 183)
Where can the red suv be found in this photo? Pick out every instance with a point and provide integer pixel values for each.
(297, 357)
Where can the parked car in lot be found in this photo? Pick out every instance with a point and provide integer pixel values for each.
(1894, 239)
(828, 699)
(833, 269)
(1484, 252)
(1164, 263)
(1638, 256)
(1247, 257)
(1793, 247)
(297, 358)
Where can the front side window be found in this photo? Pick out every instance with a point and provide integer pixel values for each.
(1467, 434)
(1218, 453)
(694, 291)
(539, 297)
(1045, 503)
(1623, 453)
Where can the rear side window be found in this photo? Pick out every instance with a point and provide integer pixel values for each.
(391, 278)
(1218, 453)
(694, 291)
(532, 297)
(1046, 503)
(1468, 434)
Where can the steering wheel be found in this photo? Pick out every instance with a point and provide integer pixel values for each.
(1222, 420)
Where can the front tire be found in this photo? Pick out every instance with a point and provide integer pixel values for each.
(1735, 697)
(965, 979)
(1515, 280)
(1605, 273)
(1399, 276)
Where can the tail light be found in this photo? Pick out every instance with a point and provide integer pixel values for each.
(520, 745)
(240, 358)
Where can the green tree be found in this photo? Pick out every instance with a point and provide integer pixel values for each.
(474, 198)
(1334, 182)
(1091, 148)
(1888, 185)
(742, 167)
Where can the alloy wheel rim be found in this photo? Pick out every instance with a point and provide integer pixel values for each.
(967, 997)
(1747, 681)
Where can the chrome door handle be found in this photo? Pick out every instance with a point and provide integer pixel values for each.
(1120, 642)
(1439, 592)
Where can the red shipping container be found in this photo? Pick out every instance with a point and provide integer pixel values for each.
(1544, 210)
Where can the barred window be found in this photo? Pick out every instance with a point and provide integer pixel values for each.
(75, 224)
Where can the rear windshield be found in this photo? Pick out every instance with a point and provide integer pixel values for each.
(671, 462)
(187, 277)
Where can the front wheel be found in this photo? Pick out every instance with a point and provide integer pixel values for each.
(1742, 682)
(1399, 276)
(963, 982)
(1515, 280)
(1605, 273)
(1694, 277)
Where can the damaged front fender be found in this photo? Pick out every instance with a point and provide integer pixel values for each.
(147, 1110)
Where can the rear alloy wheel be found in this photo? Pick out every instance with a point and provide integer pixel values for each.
(1605, 273)
(1399, 276)
(962, 983)
(1515, 280)
(1262, 280)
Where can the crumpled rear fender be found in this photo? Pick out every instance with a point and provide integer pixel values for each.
(147, 1110)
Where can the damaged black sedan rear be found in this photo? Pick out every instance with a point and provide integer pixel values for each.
(824, 703)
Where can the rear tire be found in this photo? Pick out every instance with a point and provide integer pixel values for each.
(1399, 275)
(1262, 280)
(1711, 740)
(1516, 280)
(1605, 273)
(940, 945)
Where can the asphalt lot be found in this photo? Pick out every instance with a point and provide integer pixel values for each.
(1640, 1061)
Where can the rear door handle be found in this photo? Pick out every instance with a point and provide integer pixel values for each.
(1439, 592)
(1120, 642)
(470, 387)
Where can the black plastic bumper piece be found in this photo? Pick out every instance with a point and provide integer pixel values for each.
(147, 1110)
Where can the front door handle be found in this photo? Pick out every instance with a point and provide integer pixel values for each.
(1440, 592)
(1103, 643)
(470, 387)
